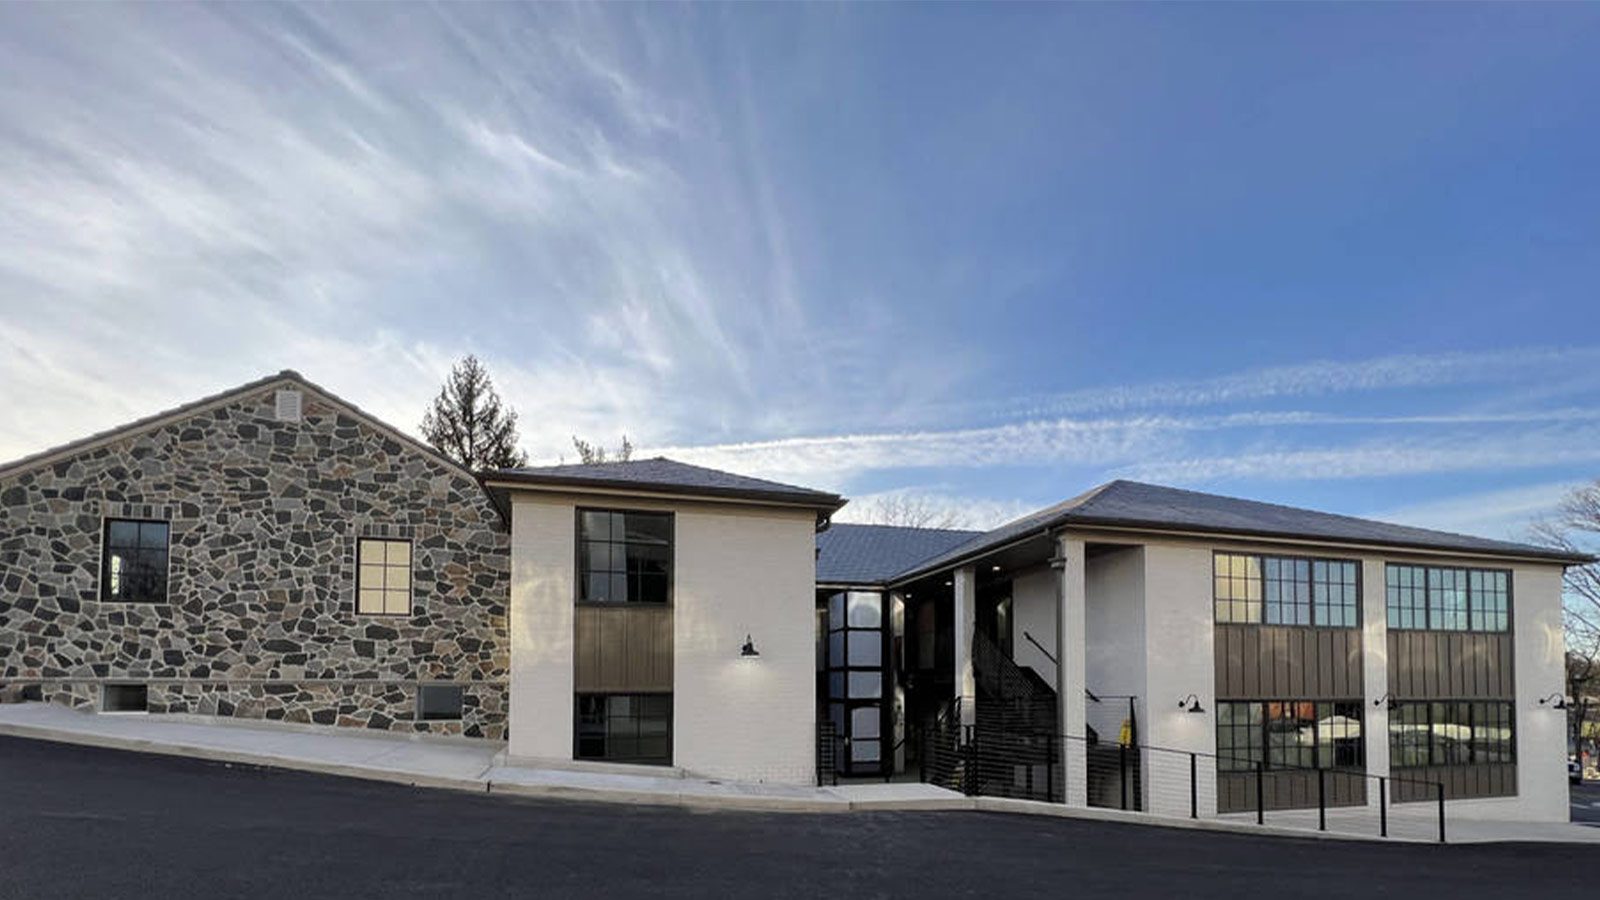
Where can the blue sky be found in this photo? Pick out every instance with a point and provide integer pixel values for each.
(1343, 256)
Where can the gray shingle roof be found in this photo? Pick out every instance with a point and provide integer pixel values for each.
(871, 554)
(1138, 505)
(668, 476)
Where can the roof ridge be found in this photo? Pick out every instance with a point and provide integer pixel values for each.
(196, 407)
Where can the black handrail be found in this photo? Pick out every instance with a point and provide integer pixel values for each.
(1047, 654)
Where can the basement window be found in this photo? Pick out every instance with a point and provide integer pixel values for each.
(438, 702)
(124, 698)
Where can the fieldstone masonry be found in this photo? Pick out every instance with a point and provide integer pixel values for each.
(261, 619)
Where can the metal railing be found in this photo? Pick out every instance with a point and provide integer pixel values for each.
(1188, 784)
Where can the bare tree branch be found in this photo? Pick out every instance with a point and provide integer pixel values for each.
(909, 511)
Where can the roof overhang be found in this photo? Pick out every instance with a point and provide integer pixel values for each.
(501, 485)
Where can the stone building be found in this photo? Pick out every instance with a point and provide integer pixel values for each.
(207, 560)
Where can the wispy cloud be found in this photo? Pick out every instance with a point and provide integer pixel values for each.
(1152, 446)
(1314, 379)
(1506, 513)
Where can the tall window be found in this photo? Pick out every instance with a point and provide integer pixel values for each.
(624, 557)
(1452, 733)
(1442, 598)
(133, 561)
(383, 577)
(855, 622)
(624, 727)
(1289, 734)
(1285, 590)
(1238, 587)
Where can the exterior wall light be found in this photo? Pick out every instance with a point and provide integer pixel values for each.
(748, 651)
(1555, 701)
(1388, 698)
(1191, 704)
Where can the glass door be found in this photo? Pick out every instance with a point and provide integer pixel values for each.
(855, 678)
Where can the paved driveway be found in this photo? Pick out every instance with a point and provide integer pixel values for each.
(1586, 803)
(82, 822)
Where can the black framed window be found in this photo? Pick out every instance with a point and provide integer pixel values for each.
(383, 577)
(635, 728)
(1286, 590)
(1446, 598)
(855, 677)
(438, 702)
(1289, 734)
(1239, 744)
(624, 557)
(1452, 733)
(1334, 590)
(134, 561)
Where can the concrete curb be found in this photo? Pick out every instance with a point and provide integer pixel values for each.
(263, 760)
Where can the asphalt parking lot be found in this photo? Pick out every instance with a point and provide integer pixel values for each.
(83, 822)
(1586, 803)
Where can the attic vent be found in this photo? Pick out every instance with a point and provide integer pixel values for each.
(289, 406)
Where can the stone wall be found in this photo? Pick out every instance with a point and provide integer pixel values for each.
(260, 620)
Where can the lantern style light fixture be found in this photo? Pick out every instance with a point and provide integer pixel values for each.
(748, 651)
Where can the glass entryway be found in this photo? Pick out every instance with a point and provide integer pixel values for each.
(853, 665)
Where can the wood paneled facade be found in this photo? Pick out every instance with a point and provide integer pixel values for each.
(625, 649)
(1271, 662)
(1236, 791)
(1451, 665)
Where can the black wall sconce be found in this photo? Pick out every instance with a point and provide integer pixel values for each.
(749, 649)
(1387, 698)
(1191, 704)
(1555, 701)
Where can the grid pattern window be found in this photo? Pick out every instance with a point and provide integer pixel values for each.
(624, 557)
(854, 661)
(1447, 599)
(1452, 733)
(1289, 734)
(1491, 590)
(1334, 591)
(1286, 590)
(134, 556)
(1238, 587)
(1238, 736)
(383, 577)
(635, 728)
(1440, 598)
(1407, 596)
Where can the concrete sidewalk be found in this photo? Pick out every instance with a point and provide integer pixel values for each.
(483, 767)
(461, 764)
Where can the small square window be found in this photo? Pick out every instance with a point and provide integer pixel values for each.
(134, 561)
(438, 702)
(383, 577)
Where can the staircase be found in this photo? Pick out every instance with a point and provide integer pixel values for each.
(1015, 746)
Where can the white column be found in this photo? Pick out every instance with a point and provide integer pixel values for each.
(966, 622)
(1070, 673)
(1375, 675)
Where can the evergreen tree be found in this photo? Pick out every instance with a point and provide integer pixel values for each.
(468, 423)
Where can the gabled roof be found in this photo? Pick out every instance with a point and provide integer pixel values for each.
(665, 476)
(285, 378)
(1132, 504)
(871, 554)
